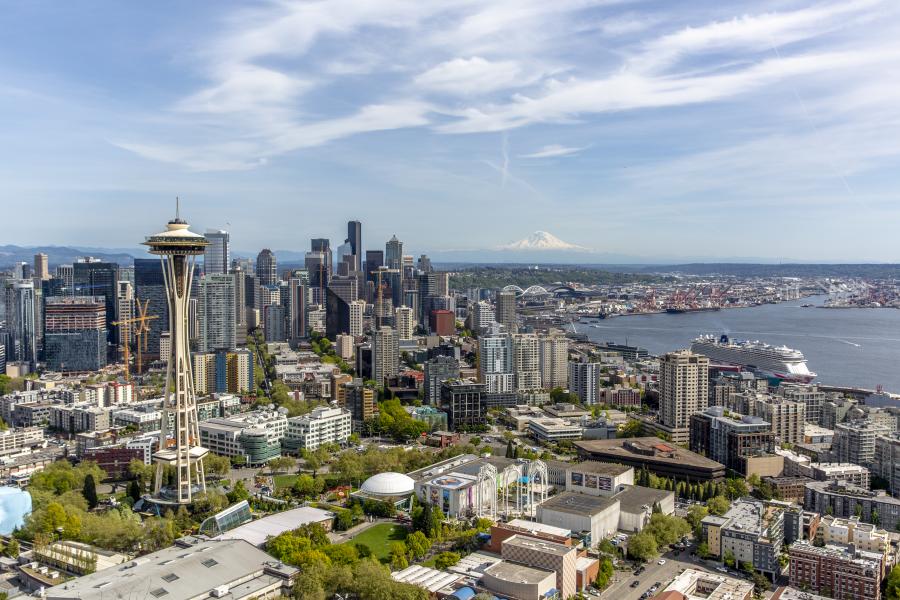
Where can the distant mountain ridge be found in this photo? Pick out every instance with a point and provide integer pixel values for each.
(65, 255)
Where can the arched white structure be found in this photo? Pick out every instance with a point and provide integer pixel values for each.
(513, 288)
(536, 472)
(486, 492)
(536, 290)
(511, 478)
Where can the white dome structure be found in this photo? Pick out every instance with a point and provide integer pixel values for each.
(388, 485)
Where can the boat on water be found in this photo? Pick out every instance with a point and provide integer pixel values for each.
(680, 311)
(777, 362)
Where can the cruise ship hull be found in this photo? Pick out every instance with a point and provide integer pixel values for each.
(783, 364)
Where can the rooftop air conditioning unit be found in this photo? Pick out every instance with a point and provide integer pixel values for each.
(220, 591)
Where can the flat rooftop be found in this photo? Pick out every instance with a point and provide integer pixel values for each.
(601, 468)
(518, 573)
(258, 531)
(537, 527)
(530, 543)
(633, 497)
(178, 573)
(646, 449)
(713, 586)
(424, 577)
(579, 504)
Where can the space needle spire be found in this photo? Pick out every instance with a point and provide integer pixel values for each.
(179, 445)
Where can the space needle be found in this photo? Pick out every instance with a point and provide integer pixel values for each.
(180, 447)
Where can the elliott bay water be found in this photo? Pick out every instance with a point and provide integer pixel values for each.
(857, 347)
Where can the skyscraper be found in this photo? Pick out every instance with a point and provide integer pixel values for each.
(67, 274)
(150, 287)
(354, 236)
(216, 313)
(41, 266)
(374, 260)
(385, 354)
(75, 333)
(178, 248)
(95, 278)
(506, 310)
(240, 305)
(266, 268)
(323, 245)
(683, 387)
(438, 370)
(298, 290)
(337, 314)
(218, 254)
(125, 310)
(21, 323)
(393, 253)
(585, 381)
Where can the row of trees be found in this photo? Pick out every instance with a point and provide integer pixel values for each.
(730, 488)
(662, 530)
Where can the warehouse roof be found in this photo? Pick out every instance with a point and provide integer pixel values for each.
(579, 504)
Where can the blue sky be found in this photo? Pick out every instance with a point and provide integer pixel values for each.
(702, 128)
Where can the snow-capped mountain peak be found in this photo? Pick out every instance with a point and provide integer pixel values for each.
(542, 240)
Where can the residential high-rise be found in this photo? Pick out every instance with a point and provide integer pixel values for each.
(75, 333)
(554, 360)
(266, 268)
(240, 305)
(178, 247)
(357, 316)
(584, 380)
(41, 266)
(354, 236)
(405, 321)
(683, 387)
(786, 417)
(150, 287)
(438, 370)
(526, 363)
(95, 278)
(216, 313)
(359, 399)
(273, 323)
(223, 372)
(482, 317)
(217, 257)
(385, 354)
(854, 441)
(495, 363)
(393, 253)
(424, 264)
(125, 310)
(21, 322)
(734, 442)
(506, 310)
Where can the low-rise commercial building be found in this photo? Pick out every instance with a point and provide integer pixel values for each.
(232, 569)
(692, 584)
(660, 458)
(554, 430)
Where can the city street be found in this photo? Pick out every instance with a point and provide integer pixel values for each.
(621, 588)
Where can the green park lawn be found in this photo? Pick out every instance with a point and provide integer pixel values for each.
(379, 538)
(284, 481)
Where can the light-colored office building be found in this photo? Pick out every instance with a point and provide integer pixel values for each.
(324, 425)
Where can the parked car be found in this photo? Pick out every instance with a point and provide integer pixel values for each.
(635, 583)
(661, 561)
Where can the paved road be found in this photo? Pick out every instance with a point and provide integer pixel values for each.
(621, 588)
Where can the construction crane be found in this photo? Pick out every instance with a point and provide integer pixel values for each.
(142, 328)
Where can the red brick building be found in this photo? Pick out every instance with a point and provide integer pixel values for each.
(442, 322)
(839, 571)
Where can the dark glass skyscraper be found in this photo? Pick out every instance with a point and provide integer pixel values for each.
(100, 279)
(354, 236)
(150, 287)
(266, 268)
(75, 333)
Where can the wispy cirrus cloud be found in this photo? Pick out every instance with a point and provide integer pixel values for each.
(553, 151)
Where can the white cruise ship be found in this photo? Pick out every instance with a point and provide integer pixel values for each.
(779, 362)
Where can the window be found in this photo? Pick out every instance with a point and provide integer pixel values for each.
(170, 577)
(159, 593)
(209, 562)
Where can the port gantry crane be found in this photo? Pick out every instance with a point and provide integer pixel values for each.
(142, 328)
